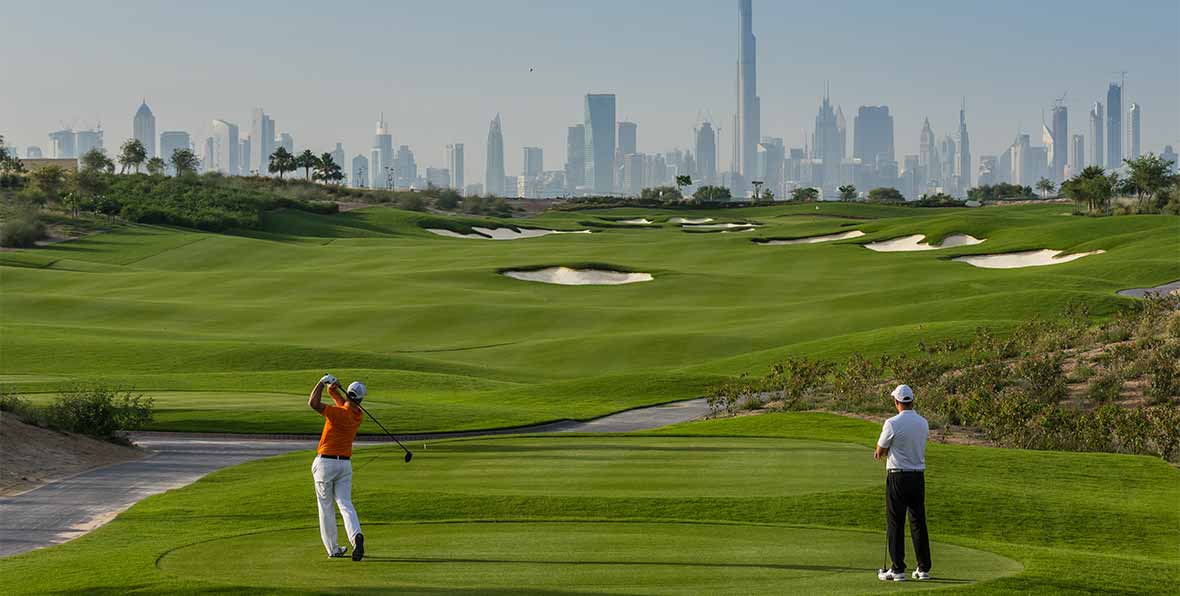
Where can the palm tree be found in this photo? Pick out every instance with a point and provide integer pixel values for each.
(1092, 187)
(327, 170)
(184, 161)
(847, 192)
(306, 160)
(1046, 186)
(805, 194)
(682, 181)
(281, 162)
(132, 154)
(155, 166)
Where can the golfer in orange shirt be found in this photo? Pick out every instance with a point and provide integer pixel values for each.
(332, 468)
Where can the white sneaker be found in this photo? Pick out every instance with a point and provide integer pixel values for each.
(888, 575)
(921, 575)
(341, 551)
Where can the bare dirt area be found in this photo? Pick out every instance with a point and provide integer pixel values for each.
(34, 456)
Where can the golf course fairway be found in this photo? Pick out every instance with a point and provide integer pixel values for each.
(228, 332)
(770, 504)
(606, 557)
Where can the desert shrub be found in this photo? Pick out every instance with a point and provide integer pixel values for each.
(22, 229)
(100, 412)
(411, 203)
(1165, 431)
(1080, 373)
(1042, 373)
(21, 408)
(796, 378)
(1105, 388)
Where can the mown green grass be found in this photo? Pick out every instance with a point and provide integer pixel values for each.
(780, 503)
(207, 322)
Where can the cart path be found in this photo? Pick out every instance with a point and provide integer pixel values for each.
(68, 508)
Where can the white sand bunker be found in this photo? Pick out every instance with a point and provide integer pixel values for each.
(737, 231)
(579, 277)
(502, 233)
(720, 226)
(691, 221)
(814, 239)
(918, 242)
(1028, 258)
(639, 221)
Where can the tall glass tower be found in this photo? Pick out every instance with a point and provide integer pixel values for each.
(494, 172)
(1114, 126)
(600, 142)
(748, 131)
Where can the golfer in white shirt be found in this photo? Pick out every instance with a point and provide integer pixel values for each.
(903, 444)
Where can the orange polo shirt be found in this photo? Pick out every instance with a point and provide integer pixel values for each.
(341, 422)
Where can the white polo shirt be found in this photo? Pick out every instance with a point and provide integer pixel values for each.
(904, 436)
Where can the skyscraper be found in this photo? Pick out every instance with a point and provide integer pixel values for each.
(1077, 155)
(286, 141)
(1097, 124)
(747, 133)
(1060, 142)
(62, 144)
(379, 177)
(534, 162)
(873, 134)
(599, 122)
(383, 143)
(1168, 154)
(144, 128)
(627, 141)
(339, 157)
(633, 174)
(360, 172)
(1114, 126)
(494, 172)
(172, 141)
(706, 152)
(826, 145)
(262, 141)
(928, 153)
(575, 157)
(225, 147)
(455, 165)
(963, 167)
(244, 156)
(1133, 115)
(85, 140)
(406, 166)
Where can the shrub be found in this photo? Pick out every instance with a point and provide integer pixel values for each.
(1106, 387)
(100, 412)
(22, 230)
(21, 408)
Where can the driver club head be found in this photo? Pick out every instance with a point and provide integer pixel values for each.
(409, 456)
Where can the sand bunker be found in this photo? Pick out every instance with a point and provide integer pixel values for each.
(691, 221)
(814, 239)
(1168, 289)
(918, 242)
(1028, 258)
(640, 221)
(720, 226)
(737, 231)
(579, 277)
(502, 233)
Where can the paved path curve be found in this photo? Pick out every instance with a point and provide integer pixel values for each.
(68, 508)
(1161, 290)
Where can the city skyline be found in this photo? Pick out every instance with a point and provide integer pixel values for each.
(790, 97)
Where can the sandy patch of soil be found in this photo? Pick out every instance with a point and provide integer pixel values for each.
(918, 242)
(34, 456)
(814, 239)
(1028, 258)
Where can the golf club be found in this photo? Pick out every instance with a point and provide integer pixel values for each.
(409, 454)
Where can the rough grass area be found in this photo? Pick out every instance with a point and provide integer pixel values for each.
(207, 323)
(782, 503)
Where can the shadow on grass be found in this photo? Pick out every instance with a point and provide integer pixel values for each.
(401, 590)
(777, 567)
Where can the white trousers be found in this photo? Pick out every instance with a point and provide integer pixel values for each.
(333, 482)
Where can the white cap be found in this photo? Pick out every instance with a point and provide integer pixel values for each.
(357, 391)
(903, 394)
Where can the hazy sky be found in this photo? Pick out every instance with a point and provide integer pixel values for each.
(441, 69)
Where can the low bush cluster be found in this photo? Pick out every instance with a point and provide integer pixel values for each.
(22, 229)
(1014, 389)
(100, 412)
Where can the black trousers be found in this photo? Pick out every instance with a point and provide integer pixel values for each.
(906, 491)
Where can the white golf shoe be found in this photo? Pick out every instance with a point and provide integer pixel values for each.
(921, 575)
(341, 552)
(888, 575)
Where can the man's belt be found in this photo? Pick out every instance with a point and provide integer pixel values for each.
(900, 471)
(335, 456)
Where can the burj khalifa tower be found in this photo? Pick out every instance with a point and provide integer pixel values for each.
(747, 128)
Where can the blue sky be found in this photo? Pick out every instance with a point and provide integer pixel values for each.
(440, 70)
